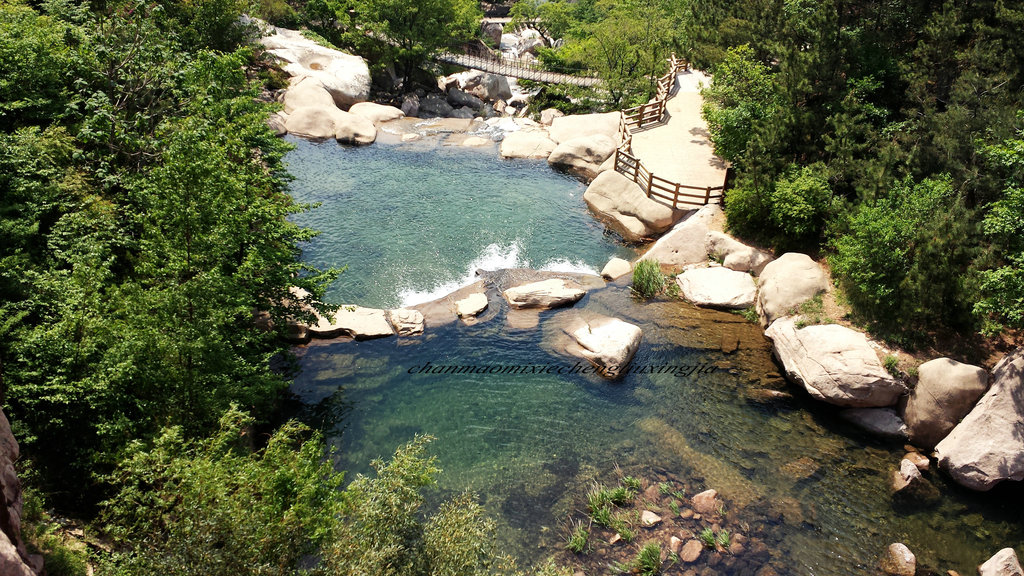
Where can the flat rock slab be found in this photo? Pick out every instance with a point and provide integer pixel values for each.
(987, 447)
(546, 294)
(718, 287)
(471, 305)
(355, 321)
(834, 364)
(608, 343)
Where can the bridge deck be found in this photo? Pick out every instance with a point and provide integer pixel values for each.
(515, 69)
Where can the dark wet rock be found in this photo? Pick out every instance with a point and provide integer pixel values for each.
(884, 422)
(898, 561)
(909, 484)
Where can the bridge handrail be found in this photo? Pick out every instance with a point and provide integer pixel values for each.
(630, 166)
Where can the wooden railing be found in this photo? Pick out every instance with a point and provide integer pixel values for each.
(631, 167)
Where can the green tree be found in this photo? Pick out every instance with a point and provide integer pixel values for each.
(742, 95)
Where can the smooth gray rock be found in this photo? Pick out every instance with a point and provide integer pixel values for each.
(786, 283)
(946, 392)
(718, 287)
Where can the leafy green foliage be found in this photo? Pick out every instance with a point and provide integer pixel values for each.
(903, 262)
(742, 95)
(792, 212)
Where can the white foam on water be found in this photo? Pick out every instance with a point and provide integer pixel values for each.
(493, 257)
(566, 265)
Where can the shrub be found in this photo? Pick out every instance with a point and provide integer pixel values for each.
(892, 365)
(648, 280)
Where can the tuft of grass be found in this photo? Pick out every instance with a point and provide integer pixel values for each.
(707, 537)
(811, 312)
(602, 516)
(664, 488)
(724, 538)
(578, 536)
(597, 498)
(679, 495)
(750, 314)
(648, 280)
(648, 561)
(632, 483)
(623, 529)
(674, 506)
(892, 365)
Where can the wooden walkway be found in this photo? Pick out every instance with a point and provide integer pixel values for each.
(514, 68)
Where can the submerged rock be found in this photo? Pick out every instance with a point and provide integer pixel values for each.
(1002, 563)
(945, 393)
(691, 551)
(608, 343)
(987, 447)
(899, 561)
(718, 287)
(546, 294)
(909, 484)
(706, 502)
(786, 283)
(834, 364)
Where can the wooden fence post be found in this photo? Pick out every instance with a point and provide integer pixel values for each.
(707, 196)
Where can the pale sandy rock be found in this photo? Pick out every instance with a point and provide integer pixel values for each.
(648, 518)
(583, 156)
(313, 121)
(706, 502)
(834, 364)
(406, 322)
(735, 254)
(616, 268)
(376, 113)
(345, 77)
(623, 205)
(354, 321)
(919, 460)
(691, 551)
(608, 343)
(786, 283)
(277, 122)
(546, 294)
(354, 129)
(675, 545)
(987, 447)
(1002, 563)
(899, 561)
(684, 244)
(524, 144)
(883, 422)
(411, 137)
(908, 483)
(566, 128)
(476, 142)
(305, 91)
(718, 287)
(471, 305)
(14, 557)
(945, 393)
(548, 115)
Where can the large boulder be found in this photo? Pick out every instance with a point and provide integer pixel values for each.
(354, 321)
(487, 87)
(458, 98)
(583, 156)
(616, 268)
(718, 287)
(684, 244)
(313, 121)
(834, 363)
(945, 393)
(735, 254)
(628, 211)
(1002, 563)
(786, 283)
(567, 128)
(526, 144)
(987, 447)
(354, 129)
(434, 106)
(376, 113)
(306, 91)
(608, 343)
(346, 77)
(546, 294)
(277, 122)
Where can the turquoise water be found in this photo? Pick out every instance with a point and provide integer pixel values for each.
(530, 445)
(414, 222)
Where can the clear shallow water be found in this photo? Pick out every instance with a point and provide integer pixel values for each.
(530, 445)
(414, 222)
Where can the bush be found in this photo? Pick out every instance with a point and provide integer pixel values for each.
(648, 281)
(904, 262)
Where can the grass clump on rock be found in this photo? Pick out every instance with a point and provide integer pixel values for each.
(648, 280)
